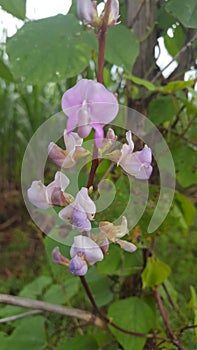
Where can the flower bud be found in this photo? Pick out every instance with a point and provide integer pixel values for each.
(86, 11)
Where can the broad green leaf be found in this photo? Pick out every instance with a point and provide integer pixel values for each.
(61, 294)
(29, 334)
(132, 314)
(122, 47)
(111, 264)
(161, 109)
(184, 11)
(185, 159)
(5, 72)
(35, 288)
(83, 342)
(155, 272)
(50, 49)
(16, 7)
(164, 20)
(147, 84)
(175, 43)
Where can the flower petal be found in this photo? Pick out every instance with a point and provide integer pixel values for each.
(66, 213)
(86, 246)
(127, 246)
(80, 220)
(78, 266)
(85, 11)
(37, 195)
(72, 140)
(99, 134)
(84, 201)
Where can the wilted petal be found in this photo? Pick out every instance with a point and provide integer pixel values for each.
(127, 246)
(37, 195)
(88, 248)
(78, 266)
(113, 232)
(56, 154)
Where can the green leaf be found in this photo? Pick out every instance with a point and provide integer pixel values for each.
(60, 294)
(155, 272)
(175, 43)
(122, 47)
(35, 288)
(184, 11)
(185, 159)
(78, 343)
(147, 84)
(100, 287)
(176, 85)
(16, 7)
(5, 72)
(50, 49)
(187, 208)
(132, 314)
(193, 305)
(28, 335)
(161, 109)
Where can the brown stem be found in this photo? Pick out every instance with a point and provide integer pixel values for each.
(108, 321)
(165, 318)
(94, 166)
(102, 41)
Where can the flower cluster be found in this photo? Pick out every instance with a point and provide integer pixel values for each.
(88, 105)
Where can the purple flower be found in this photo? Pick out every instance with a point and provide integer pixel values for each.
(86, 11)
(44, 197)
(58, 258)
(80, 212)
(84, 250)
(137, 164)
(89, 105)
(67, 158)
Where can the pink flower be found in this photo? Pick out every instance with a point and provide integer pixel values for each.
(89, 105)
(58, 258)
(67, 158)
(80, 212)
(84, 250)
(137, 164)
(44, 197)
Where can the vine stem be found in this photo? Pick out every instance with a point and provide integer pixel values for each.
(109, 322)
(101, 59)
(165, 318)
(102, 41)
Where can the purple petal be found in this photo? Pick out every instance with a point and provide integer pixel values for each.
(86, 246)
(66, 214)
(37, 195)
(80, 220)
(56, 154)
(145, 155)
(78, 266)
(84, 201)
(56, 256)
(144, 173)
(99, 134)
(85, 10)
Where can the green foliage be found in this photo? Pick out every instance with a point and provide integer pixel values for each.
(155, 272)
(100, 286)
(33, 48)
(125, 53)
(79, 343)
(132, 314)
(175, 43)
(184, 11)
(193, 305)
(162, 109)
(5, 72)
(29, 335)
(16, 7)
